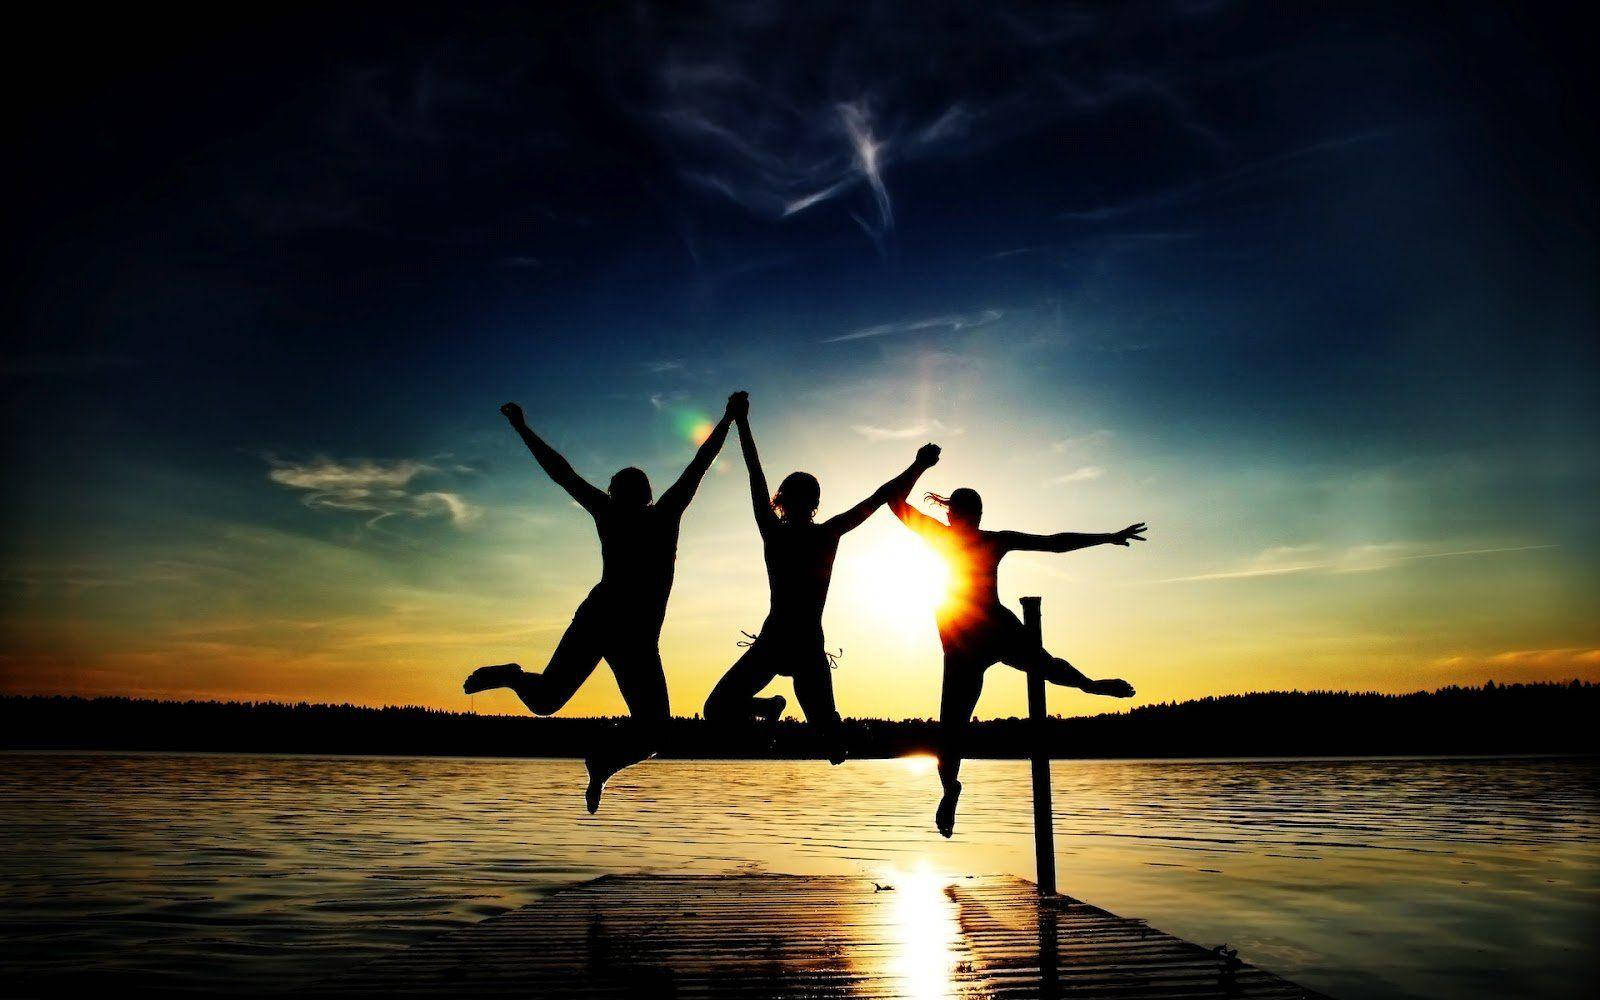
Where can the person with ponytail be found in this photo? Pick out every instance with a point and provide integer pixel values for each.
(799, 555)
(976, 630)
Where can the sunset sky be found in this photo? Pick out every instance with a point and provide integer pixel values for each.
(1313, 297)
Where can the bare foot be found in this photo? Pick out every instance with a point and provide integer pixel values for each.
(768, 712)
(1114, 687)
(839, 751)
(833, 732)
(498, 676)
(771, 709)
(945, 818)
(597, 784)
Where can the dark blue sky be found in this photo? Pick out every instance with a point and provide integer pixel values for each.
(1240, 259)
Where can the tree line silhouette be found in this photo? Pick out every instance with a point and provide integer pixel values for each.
(1495, 718)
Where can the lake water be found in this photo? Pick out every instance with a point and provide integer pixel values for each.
(1361, 878)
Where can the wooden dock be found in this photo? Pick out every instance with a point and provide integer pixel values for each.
(779, 936)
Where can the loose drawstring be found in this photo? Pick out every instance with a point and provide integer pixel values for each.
(833, 658)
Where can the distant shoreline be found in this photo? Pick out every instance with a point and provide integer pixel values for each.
(575, 760)
(1548, 719)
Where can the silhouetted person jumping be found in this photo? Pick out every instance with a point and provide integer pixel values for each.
(976, 630)
(799, 555)
(620, 620)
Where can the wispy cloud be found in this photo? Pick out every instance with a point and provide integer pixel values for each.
(785, 163)
(931, 428)
(1243, 574)
(339, 479)
(1481, 552)
(1547, 657)
(1082, 474)
(949, 323)
(1573, 657)
(1082, 442)
(737, 100)
(1282, 560)
(867, 147)
(371, 486)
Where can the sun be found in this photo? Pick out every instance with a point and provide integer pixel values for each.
(901, 579)
(918, 763)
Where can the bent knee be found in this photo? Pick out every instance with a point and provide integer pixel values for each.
(536, 694)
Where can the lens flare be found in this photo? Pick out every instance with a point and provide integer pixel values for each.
(692, 425)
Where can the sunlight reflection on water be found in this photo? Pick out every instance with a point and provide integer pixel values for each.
(924, 933)
(1363, 878)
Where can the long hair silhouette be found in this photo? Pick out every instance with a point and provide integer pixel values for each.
(797, 498)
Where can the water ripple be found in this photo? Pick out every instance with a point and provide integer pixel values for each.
(222, 872)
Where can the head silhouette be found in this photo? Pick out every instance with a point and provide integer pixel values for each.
(797, 497)
(963, 508)
(630, 488)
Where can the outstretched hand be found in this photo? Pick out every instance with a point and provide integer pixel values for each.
(928, 455)
(1133, 532)
(513, 413)
(738, 406)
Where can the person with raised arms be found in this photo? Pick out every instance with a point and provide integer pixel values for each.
(799, 554)
(976, 630)
(620, 621)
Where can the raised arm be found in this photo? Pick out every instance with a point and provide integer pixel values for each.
(678, 495)
(899, 486)
(759, 498)
(1068, 541)
(590, 497)
(900, 503)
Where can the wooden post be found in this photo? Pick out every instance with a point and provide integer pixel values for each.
(1044, 839)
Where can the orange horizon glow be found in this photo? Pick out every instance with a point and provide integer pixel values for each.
(398, 611)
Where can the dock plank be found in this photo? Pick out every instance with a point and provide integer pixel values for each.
(784, 936)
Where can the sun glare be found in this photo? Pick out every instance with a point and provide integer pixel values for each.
(906, 581)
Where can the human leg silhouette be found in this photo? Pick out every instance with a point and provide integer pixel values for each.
(813, 688)
(643, 684)
(574, 659)
(733, 701)
(1024, 655)
(963, 683)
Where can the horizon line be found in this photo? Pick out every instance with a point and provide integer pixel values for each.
(17, 696)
